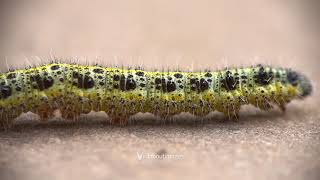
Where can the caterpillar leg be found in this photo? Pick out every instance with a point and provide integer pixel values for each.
(6, 120)
(45, 113)
(201, 113)
(69, 114)
(232, 115)
(282, 104)
(231, 111)
(263, 105)
(118, 114)
(6, 123)
(283, 107)
(122, 120)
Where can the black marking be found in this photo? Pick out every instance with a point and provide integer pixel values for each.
(203, 85)
(194, 84)
(85, 83)
(199, 86)
(88, 82)
(229, 82)
(6, 91)
(48, 82)
(55, 67)
(158, 81)
(193, 81)
(98, 71)
(116, 77)
(130, 84)
(11, 76)
(293, 77)
(37, 78)
(263, 77)
(208, 74)
(171, 86)
(140, 73)
(178, 75)
(127, 84)
(75, 75)
(116, 86)
(244, 77)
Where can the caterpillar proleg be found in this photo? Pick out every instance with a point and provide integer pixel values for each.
(121, 92)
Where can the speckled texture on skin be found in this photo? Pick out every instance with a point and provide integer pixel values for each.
(122, 92)
(192, 35)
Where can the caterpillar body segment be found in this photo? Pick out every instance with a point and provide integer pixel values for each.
(76, 89)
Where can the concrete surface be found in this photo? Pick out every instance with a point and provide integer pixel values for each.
(184, 34)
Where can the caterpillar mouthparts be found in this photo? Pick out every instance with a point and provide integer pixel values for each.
(76, 89)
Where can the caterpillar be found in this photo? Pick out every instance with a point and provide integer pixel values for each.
(75, 89)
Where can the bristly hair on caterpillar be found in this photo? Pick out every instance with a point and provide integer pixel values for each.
(75, 89)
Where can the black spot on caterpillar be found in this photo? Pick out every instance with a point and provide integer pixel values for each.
(76, 89)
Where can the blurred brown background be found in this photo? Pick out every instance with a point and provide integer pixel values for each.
(167, 33)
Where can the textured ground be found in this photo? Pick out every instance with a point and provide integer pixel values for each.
(161, 34)
(261, 146)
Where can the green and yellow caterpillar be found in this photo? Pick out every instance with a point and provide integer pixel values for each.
(76, 89)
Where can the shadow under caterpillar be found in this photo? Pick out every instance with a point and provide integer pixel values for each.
(76, 89)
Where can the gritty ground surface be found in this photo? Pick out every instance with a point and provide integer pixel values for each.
(167, 33)
(264, 146)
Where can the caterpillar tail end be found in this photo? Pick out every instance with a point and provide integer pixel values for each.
(300, 81)
(306, 86)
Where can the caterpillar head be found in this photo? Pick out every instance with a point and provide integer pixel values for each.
(301, 81)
